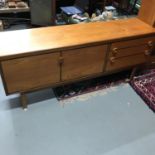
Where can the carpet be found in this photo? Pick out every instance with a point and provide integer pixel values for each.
(144, 85)
(90, 87)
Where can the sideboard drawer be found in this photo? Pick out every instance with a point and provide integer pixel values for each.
(134, 42)
(125, 62)
(23, 74)
(132, 47)
(124, 52)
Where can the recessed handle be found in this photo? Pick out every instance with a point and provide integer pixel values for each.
(115, 51)
(147, 52)
(150, 43)
(112, 59)
(61, 60)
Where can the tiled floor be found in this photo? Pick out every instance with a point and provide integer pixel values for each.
(116, 123)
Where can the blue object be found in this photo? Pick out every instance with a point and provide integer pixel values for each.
(71, 10)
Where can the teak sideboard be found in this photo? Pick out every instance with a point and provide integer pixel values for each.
(46, 57)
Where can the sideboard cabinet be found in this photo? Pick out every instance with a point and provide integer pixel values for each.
(27, 73)
(48, 57)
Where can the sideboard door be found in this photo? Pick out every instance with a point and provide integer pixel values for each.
(83, 62)
(28, 73)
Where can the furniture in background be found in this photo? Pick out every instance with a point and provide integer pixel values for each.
(147, 12)
(13, 12)
(43, 12)
(52, 56)
(16, 7)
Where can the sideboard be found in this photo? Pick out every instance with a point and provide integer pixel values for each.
(47, 57)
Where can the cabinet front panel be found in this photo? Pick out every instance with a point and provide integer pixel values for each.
(24, 74)
(125, 62)
(83, 62)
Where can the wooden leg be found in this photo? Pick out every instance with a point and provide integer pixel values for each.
(24, 101)
(133, 73)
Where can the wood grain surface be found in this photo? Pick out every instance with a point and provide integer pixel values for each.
(83, 62)
(26, 73)
(39, 40)
(147, 12)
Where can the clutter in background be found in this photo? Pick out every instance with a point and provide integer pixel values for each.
(71, 15)
(13, 4)
(2, 3)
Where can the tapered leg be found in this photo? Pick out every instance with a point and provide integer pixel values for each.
(24, 101)
(133, 73)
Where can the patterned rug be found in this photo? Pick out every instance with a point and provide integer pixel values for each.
(144, 85)
(86, 89)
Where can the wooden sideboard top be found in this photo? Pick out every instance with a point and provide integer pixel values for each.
(20, 43)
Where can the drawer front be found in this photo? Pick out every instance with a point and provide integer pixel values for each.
(134, 42)
(24, 74)
(83, 62)
(132, 47)
(125, 62)
(124, 52)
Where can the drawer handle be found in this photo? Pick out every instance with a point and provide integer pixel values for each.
(115, 51)
(150, 43)
(61, 61)
(147, 53)
(112, 59)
